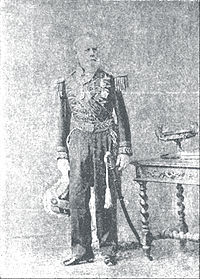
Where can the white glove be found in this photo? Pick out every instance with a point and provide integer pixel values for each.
(64, 167)
(122, 161)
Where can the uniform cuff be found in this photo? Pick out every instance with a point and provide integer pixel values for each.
(125, 148)
(62, 153)
(61, 148)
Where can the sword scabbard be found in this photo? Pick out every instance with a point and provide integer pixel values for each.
(116, 175)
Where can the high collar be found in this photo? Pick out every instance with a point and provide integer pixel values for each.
(84, 76)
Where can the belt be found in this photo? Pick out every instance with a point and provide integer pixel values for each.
(95, 127)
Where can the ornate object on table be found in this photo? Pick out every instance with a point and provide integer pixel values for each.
(178, 136)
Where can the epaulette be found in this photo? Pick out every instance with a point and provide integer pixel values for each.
(121, 82)
(70, 74)
(69, 77)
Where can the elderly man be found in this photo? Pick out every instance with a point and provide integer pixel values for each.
(93, 123)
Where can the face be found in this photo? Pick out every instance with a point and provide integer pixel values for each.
(87, 53)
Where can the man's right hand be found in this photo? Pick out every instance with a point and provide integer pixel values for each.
(64, 167)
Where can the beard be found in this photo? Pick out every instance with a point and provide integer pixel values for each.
(90, 65)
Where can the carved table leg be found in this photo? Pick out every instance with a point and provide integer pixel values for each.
(183, 227)
(146, 234)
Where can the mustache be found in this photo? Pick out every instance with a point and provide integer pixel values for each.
(93, 57)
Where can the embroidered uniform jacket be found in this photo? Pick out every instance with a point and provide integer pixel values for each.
(85, 105)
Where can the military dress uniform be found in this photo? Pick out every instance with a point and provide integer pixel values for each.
(89, 127)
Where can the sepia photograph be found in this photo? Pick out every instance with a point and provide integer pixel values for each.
(99, 139)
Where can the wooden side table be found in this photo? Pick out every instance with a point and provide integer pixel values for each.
(176, 171)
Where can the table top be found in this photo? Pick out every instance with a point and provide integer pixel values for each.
(174, 163)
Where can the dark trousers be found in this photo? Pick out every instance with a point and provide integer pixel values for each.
(87, 169)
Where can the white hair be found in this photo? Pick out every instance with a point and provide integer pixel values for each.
(83, 38)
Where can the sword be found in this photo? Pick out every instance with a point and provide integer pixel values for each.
(115, 173)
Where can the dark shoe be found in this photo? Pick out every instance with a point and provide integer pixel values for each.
(83, 259)
(89, 253)
(110, 260)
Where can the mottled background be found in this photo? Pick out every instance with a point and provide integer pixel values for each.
(155, 42)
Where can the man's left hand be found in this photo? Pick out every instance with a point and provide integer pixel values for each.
(122, 161)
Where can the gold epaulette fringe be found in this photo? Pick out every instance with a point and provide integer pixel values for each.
(121, 82)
